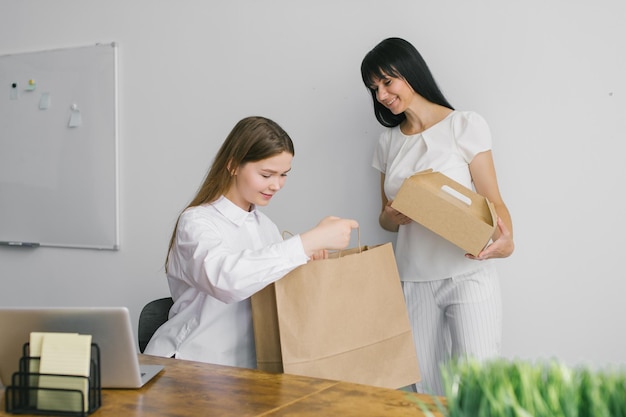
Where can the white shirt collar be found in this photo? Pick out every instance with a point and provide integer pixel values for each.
(232, 211)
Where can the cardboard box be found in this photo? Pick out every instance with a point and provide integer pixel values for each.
(451, 210)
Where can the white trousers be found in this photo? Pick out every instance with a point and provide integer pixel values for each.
(454, 317)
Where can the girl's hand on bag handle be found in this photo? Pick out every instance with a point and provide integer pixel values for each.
(331, 233)
(320, 254)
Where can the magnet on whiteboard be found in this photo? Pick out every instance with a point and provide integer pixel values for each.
(32, 85)
(13, 95)
(75, 117)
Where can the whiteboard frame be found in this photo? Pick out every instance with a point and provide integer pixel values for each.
(104, 235)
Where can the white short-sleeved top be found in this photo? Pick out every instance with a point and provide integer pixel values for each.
(448, 147)
(221, 256)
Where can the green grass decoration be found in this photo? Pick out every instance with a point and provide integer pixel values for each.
(503, 388)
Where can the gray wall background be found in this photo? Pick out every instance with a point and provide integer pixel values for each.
(548, 77)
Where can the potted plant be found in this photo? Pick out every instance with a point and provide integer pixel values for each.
(500, 388)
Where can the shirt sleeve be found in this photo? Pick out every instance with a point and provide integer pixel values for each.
(472, 134)
(381, 153)
(204, 260)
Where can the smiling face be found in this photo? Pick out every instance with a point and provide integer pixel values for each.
(393, 93)
(257, 182)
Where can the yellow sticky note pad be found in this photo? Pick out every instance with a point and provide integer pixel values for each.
(64, 354)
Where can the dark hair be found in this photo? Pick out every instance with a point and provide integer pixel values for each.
(252, 139)
(395, 57)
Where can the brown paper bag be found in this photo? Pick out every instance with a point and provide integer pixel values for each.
(342, 318)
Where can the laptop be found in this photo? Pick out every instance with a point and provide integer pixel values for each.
(110, 328)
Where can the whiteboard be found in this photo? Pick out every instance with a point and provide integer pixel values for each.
(58, 148)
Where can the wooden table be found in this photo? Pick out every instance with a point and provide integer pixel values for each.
(186, 388)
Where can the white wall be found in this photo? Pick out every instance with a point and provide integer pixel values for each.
(548, 76)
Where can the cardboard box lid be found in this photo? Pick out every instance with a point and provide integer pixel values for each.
(448, 208)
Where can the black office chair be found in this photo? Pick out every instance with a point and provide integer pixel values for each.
(152, 316)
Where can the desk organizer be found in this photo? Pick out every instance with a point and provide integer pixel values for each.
(22, 395)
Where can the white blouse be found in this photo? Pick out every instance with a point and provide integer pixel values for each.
(448, 147)
(221, 256)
